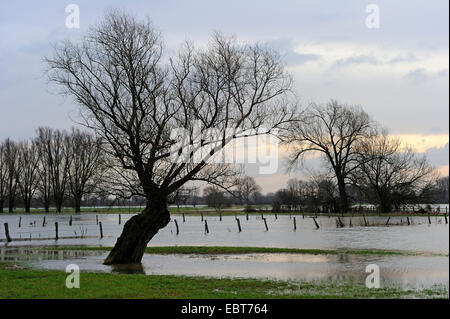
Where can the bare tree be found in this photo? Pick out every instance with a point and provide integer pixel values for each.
(13, 172)
(246, 188)
(87, 162)
(333, 130)
(29, 175)
(215, 197)
(3, 175)
(134, 100)
(391, 176)
(44, 189)
(57, 158)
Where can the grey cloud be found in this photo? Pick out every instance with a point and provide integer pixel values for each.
(438, 156)
(360, 59)
(290, 56)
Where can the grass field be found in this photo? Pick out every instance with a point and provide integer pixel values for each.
(27, 283)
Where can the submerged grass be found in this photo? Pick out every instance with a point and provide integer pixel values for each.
(42, 284)
(216, 250)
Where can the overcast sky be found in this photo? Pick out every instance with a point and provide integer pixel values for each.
(399, 72)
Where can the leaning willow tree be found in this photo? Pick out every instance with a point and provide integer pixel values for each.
(135, 96)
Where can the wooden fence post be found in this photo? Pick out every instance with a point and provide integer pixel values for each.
(206, 227)
(315, 222)
(446, 221)
(56, 230)
(101, 229)
(295, 224)
(201, 215)
(429, 219)
(176, 225)
(407, 219)
(238, 224)
(20, 221)
(96, 219)
(120, 219)
(8, 238)
(387, 222)
(70, 220)
(184, 218)
(43, 222)
(265, 224)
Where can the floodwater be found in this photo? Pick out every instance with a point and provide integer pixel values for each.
(419, 236)
(402, 271)
(430, 268)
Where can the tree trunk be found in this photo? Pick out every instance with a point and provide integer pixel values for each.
(47, 207)
(27, 206)
(77, 204)
(11, 205)
(343, 199)
(137, 232)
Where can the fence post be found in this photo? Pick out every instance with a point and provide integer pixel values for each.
(120, 219)
(407, 219)
(201, 215)
(206, 227)
(20, 221)
(387, 222)
(315, 222)
(70, 220)
(184, 218)
(429, 219)
(43, 222)
(176, 225)
(7, 232)
(238, 224)
(56, 230)
(96, 219)
(101, 229)
(265, 224)
(446, 221)
(295, 224)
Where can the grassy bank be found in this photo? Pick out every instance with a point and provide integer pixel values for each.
(208, 211)
(27, 283)
(215, 250)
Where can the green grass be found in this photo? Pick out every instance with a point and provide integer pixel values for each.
(27, 283)
(214, 250)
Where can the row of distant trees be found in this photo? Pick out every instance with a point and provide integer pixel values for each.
(50, 169)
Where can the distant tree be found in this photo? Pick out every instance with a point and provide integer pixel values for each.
(57, 158)
(3, 176)
(246, 188)
(215, 197)
(441, 191)
(13, 172)
(44, 187)
(333, 130)
(87, 163)
(29, 174)
(390, 175)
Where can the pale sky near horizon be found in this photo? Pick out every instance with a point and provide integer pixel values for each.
(399, 73)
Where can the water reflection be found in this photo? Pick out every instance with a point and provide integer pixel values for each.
(404, 271)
